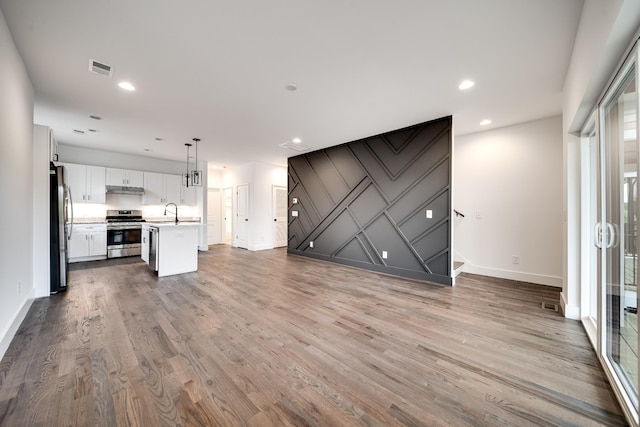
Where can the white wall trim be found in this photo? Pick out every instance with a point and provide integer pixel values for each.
(570, 311)
(261, 247)
(538, 279)
(11, 330)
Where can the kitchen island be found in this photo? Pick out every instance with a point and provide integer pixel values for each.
(170, 248)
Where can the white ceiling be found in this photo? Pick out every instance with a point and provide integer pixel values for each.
(217, 70)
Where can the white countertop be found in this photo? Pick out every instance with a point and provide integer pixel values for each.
(172, 224)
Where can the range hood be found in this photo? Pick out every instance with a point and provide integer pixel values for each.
(117, 189)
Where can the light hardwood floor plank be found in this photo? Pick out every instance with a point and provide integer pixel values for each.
(270, 339)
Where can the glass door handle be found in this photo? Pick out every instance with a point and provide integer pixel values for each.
(597, 236)
(610, 236)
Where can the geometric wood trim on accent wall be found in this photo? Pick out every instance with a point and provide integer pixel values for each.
(361, 200)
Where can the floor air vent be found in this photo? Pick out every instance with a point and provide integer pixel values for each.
(549, 306)
(100, 68)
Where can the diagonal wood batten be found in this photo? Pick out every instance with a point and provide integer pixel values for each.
(270, 339)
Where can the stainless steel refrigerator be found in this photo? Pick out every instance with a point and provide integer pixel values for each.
(60, 220)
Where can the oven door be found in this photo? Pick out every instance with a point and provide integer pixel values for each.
(125, 236)
(123, 241)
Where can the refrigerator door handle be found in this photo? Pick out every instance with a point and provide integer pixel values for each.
(69, 207)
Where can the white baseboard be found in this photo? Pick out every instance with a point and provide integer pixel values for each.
(262, 247)
(10, 331)
(570, 311)
(539, 279)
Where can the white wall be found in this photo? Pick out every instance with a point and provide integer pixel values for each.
(508, 183)
(261, 178)
(605, 31)
(41, 228)
(16, 188)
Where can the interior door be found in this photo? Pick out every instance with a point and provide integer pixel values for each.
(242, 216)
(279, 216)
(228, 215)
(213, 217)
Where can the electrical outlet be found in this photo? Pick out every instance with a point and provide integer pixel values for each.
(311, 244)
(515, 259)
(384, 254)
(429, 213)
(294, 213)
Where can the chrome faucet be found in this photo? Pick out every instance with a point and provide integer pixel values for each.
(176, 210)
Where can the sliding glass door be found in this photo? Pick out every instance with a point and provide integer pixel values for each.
(616, 233)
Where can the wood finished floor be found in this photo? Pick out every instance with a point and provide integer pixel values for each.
(266, 339)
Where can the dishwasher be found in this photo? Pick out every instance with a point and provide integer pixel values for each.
(153, 248)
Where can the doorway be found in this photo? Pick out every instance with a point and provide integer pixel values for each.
(610, 207)
(228, 215)
(213, 217)
(279, 216)
(242, 216)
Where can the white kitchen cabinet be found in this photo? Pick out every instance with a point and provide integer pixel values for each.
(87, 242)
(161, 188)
(187, 195)
(176, 249)
(87, 183)
(124, 177)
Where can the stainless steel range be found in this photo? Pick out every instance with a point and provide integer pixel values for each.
(124, 231)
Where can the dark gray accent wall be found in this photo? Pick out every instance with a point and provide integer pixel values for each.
(356, 200)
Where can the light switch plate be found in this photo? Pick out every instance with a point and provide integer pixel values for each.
(311, 244)
(384, 254)
(429, 213)
(294, 213)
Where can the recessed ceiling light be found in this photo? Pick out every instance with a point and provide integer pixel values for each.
(95, 117)
(126, 86)
(296, 140)
(485, 122)
(466, 84)
(291, 87)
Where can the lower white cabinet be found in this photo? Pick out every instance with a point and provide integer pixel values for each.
(87, 242)
(174, 249)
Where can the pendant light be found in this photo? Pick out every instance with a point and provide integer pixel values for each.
(192, 178)
(196, 175)
(186, 177)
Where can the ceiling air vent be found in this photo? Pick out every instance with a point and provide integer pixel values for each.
(293, 146)
(78, 132)
(100, 68)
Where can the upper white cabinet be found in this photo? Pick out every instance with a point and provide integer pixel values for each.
(161, 188)
(124, 177)
(187, 195)
(87, 183)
